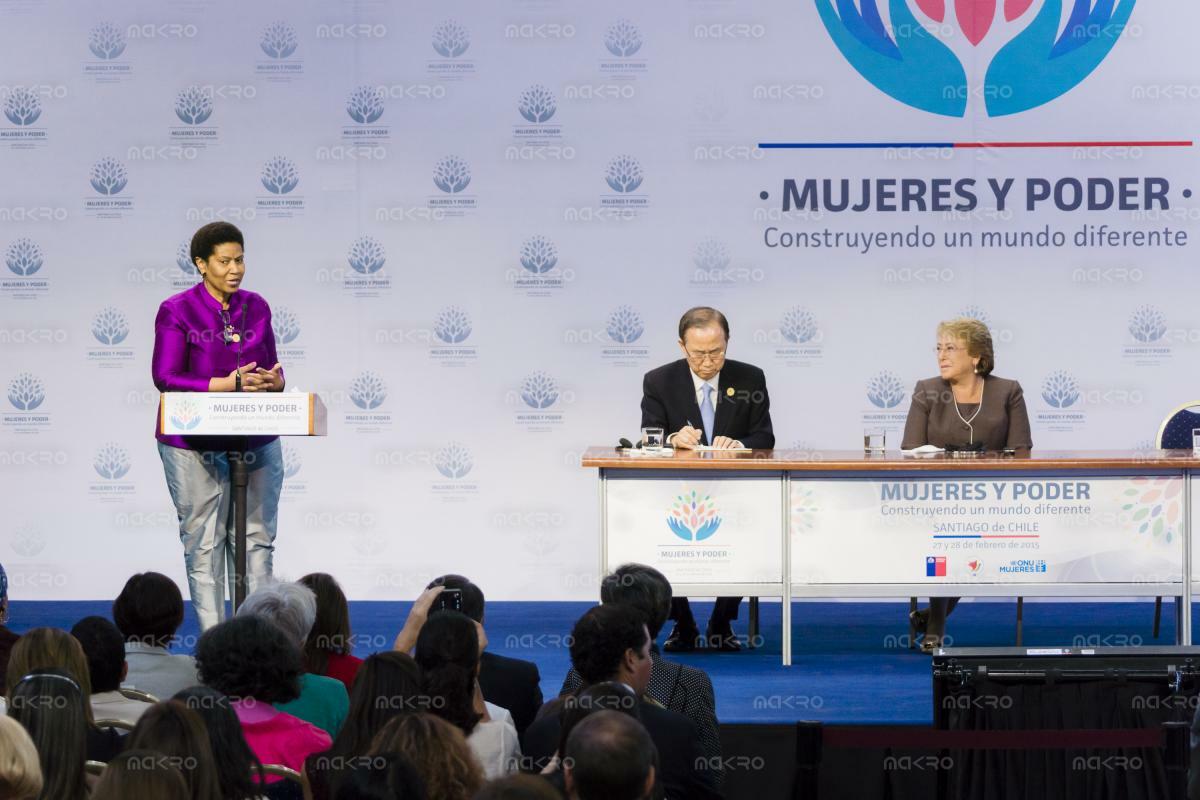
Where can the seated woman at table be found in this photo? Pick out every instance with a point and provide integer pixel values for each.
(965, 407)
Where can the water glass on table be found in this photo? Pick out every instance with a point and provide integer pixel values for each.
(652, 439)
(874, 441)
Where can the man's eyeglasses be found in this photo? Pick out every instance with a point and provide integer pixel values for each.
(709, 355)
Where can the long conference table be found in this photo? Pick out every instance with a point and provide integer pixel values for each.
(833, 524)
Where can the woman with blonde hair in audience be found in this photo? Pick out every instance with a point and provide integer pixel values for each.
(141, 775)
(171, 728)
(439, 752)
(20, 771)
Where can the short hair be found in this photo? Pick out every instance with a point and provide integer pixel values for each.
(601, 637)
(50, 649)
(250, 657)
(140, 773)
(977, 337)
(519, 787)
(702, 317)
(331, 629)
(20, 770)
(609, 756)
(603, 696)
(642, 587)
(149, 609)
(104, 648)
(448, 653)
(171, 728)
(208, 237)
(437, 749)
(291, 606)
(472, 595)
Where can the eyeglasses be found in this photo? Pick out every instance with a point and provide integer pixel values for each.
(709, 355)
(949, 349)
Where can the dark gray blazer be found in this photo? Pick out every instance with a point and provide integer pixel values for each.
(1002, 422)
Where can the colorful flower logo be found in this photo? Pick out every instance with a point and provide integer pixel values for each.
(186, 416)
(1155, 506)
(694, 518)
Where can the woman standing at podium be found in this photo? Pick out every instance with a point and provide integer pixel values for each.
(216, 337)
(965, 408)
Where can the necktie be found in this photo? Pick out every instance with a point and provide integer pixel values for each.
(707, 413)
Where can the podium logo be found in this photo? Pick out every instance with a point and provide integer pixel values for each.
(538, 254)
(108, 176)
(368, 391)
(1060, 389)
(106, 41)
(451, 174)
(625, 325)
(798, 325)
(366, 255)
(885, 390)
(539, 390)
(911, 59)
(453, 461)
(279, 175)
(624, 174)
(22, 107)
(1155, 505)
(23, 257)
(451, 38)
(284, 325)
(365, 104)
(193, 106)
(1147, 324)
(693, 518)
(452, 325)
(537, 103)
(278, 41)
(110, 327)
(187, 415)
(111, 462)
(623, 38)
(26, 392)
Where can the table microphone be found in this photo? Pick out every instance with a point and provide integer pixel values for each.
(625, 444)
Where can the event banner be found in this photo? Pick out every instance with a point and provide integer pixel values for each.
(987, 529)
(721, 530)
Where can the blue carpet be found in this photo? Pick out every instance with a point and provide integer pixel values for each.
(850, 660)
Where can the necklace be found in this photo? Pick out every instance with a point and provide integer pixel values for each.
(967, 422)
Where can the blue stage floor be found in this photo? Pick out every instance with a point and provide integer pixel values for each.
(850, 660)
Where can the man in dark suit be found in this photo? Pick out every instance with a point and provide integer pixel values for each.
(706, 399)
(507, 682)
(611, 643)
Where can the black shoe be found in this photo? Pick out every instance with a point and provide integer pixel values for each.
(721, 638)
(681, 640)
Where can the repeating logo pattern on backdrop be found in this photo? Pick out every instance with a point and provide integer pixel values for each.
(279, 43)
(24, 258)
(1060, 392)
(111, 462)
(367, 392)
(280, 177)
(110, 328)
(107, 43)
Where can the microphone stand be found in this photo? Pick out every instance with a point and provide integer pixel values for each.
(239, 478)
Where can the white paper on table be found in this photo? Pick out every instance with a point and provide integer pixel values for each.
(923, 450)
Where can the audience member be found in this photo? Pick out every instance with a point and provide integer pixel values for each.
(174, 730)
(510, 683)
(292, 607)
(7, 637)
(148, 612)
(448, 651)
(329, 648)
(51, 706)
(141, 774)
(609, 756)
(255, 664)
(20, 770)
(518, 787)
(104, 648)
(388, 684)
(437, 749)
(678, 687)
(611, 643)
(238, 770)
(390, 777)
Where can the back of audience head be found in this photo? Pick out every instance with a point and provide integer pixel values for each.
(611, 643)
(234, 761)
(51, 705)
(437, 749)
(149, 610)
(390, 777)
(642, 587)
(49, 648)
(331, 629)
(250, 657)
(287, 604)
(3, 596)
(20, 771)
(470, 595)
(519, 787)
(603, 696)
(140, 774)
(171, 728)
(609, 756)
(387, 684)
(104, 648)
(448, 653)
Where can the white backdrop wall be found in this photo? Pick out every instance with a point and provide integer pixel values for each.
(463, 383)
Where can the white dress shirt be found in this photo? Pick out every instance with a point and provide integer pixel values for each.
(495, 743)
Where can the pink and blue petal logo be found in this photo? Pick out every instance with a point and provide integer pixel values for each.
(910, 57)
(694, 518)
(187, 415)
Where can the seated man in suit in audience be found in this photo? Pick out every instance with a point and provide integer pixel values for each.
(611, 643)
(510, 683)
(706, 399)
(610, 757)
(678, 687)
(104, 647)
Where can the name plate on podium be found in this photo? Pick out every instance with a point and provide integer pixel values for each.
(241, 414)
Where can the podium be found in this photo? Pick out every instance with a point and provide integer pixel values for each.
(222, 415)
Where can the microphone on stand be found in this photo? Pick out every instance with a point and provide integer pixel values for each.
(237, 378)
